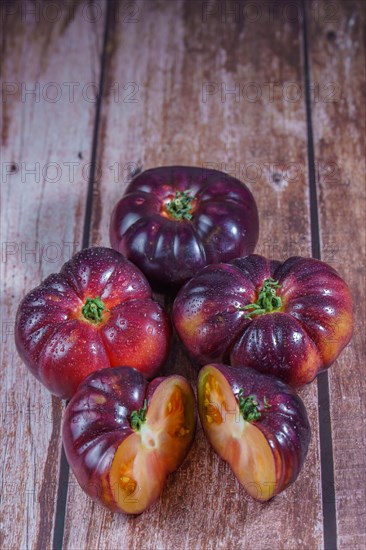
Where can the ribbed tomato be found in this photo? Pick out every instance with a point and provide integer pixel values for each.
(257, 424)
(290, 319)
(174, 220)
(123, 436)
(96, 313)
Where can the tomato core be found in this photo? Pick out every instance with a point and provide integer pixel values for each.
(138, 418)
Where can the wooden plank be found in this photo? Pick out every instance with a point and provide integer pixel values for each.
(181, 59)
(42, 224)
(337, 61)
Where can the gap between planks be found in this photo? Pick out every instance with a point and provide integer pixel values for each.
(324, 417)
(64, 472)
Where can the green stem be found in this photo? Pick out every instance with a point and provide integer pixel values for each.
(267, 302)
(180, 207)
(250, 408)
(93, 309)
(138, 418)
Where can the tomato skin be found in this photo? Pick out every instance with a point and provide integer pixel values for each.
(60, 347)
(224, 222)
(305, 336)
(97, 422)
(284, 424)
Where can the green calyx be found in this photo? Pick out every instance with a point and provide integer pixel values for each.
(180, 207)
(249, 408)
(267, 302)
(138, 418)
(93, 309)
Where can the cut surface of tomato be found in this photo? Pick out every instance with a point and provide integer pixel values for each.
(239, 442)
(145, 458)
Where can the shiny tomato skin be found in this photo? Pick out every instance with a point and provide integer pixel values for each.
(296, 341)
(97, 422)
(61, 347)
(169, 251)
(284, 423)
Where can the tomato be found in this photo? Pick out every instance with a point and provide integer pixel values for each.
(96, 313)
(290, 319)
(123, 436)
(173, 221)
(257, 424)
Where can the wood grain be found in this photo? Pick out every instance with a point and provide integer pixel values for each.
(180, 61)
(337, 57)
(42, 212)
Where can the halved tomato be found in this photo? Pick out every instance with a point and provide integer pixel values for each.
(257, 424)
(123, 436)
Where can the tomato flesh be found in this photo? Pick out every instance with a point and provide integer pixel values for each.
(240, 443)
(145, 458)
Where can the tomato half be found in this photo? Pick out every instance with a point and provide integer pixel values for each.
(257, 424)
(123, 436)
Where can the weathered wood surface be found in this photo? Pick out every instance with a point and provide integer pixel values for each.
(42, 212)
(180, 64)
(337, 62)
(169, 71)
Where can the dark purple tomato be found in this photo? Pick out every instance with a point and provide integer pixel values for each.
(97, 312)
(123, 436)
(290, 319)
(257, 424)
(174, 220)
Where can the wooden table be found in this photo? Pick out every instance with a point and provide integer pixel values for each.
(272, 92)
